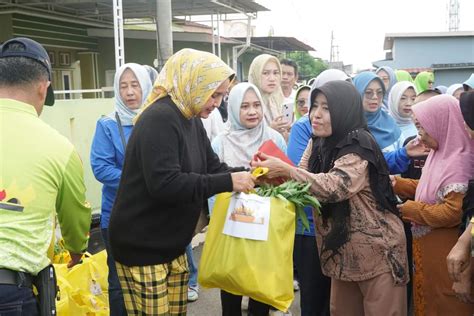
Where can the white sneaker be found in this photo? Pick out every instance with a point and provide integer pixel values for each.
(245, 303)
(193, 295)
(296, 285)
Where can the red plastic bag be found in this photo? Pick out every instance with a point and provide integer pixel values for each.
(271, 149)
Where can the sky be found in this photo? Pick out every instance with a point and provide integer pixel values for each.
(359, 26)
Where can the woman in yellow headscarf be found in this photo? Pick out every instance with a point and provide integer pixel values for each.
(170, 169)
(265, 73)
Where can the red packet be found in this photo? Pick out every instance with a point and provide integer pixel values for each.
(271, 149)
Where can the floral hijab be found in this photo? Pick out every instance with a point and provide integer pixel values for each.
(190, 77)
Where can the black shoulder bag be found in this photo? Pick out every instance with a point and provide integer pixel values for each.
(120, 128)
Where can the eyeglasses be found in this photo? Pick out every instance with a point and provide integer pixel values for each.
(369, 93)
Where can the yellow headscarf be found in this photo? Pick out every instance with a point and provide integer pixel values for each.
(189, 77)
(274, 101)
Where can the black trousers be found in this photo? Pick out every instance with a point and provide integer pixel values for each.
(315, 287)
(231, 306)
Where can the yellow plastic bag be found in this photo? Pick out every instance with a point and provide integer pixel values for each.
(61, 255)
(262, 270)
(83, 290)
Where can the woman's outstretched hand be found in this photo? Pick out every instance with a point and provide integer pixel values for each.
(276, 167)
(415, 148)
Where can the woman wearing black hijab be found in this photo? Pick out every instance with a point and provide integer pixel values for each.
(360, 235)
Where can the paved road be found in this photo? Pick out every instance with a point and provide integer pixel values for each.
(209, 303)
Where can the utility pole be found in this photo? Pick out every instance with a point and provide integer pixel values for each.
(164, 31)
(332, 46)
(118, 34)
(453, 15)
(334, 54)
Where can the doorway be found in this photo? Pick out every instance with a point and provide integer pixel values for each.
(66, 76)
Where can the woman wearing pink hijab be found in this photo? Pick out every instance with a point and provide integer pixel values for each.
(435, 208)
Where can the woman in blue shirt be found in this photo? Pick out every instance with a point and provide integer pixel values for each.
(132, 85)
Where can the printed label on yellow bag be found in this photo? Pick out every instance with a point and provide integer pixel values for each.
(240, 266)
(248, 216)
(95, 288)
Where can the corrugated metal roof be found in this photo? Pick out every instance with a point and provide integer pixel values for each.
(280, 43)
(101, 10)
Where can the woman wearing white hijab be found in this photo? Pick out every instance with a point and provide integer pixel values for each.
(236, 147)
(248, 130)
(387, 74)
(400, 100)
(132, 85)
(455, 90)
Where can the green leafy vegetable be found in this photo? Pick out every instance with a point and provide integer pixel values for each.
(295, 192)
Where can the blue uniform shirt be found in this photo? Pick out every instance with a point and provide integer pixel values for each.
(297, 143)
(107, 156)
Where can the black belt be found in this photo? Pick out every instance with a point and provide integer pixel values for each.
(11, 277)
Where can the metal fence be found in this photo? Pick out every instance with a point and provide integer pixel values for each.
(104, 92)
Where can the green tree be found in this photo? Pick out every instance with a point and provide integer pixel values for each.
(308, 66)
